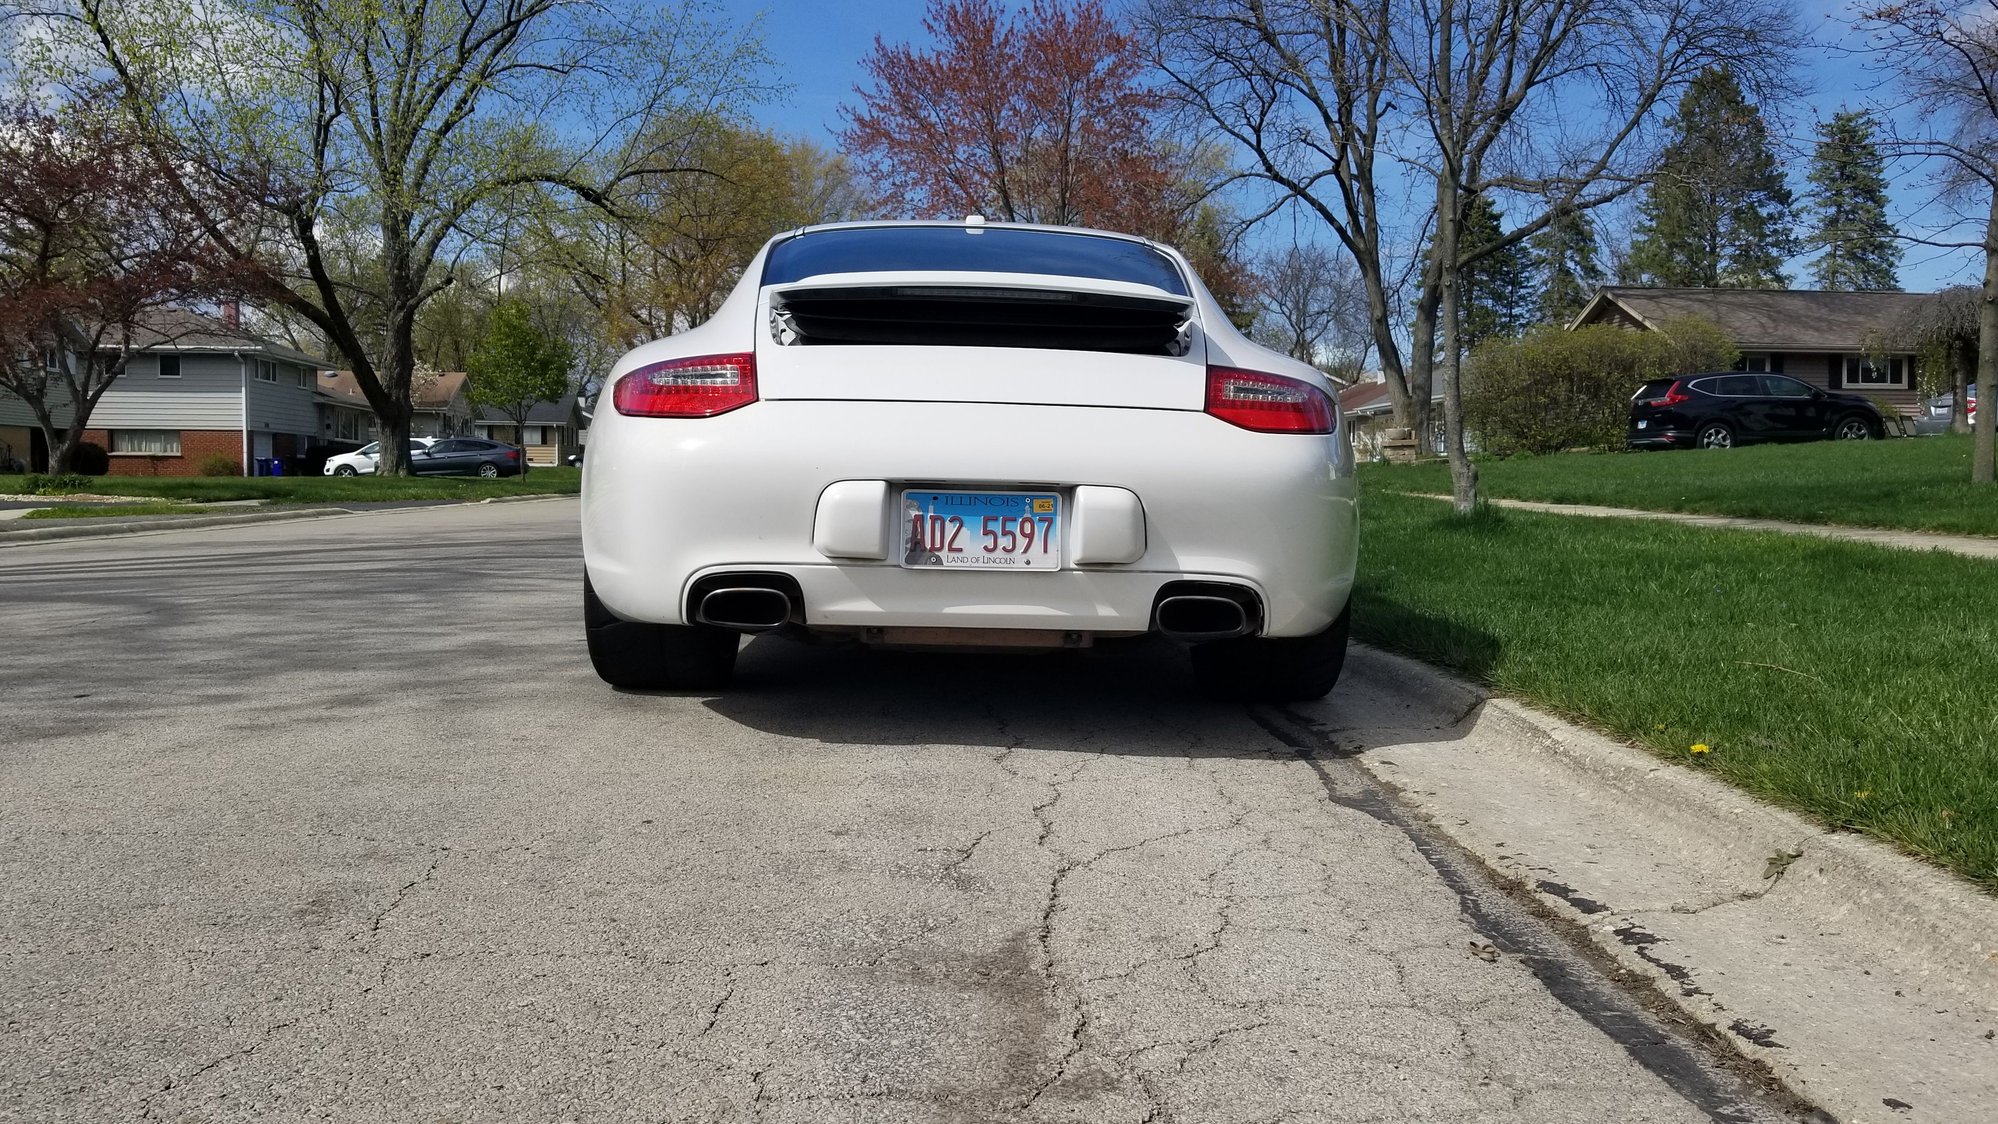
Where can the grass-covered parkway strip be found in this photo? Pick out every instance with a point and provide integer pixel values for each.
(1911, 484)
(324, 489)
(1855, 684)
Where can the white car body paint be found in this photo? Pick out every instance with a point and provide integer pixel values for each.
(363, 462)
(780, 486)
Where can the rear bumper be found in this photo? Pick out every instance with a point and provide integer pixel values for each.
(669, 502)
(1659, 439)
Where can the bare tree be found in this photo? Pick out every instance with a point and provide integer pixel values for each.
(1548, 103)
(378, 141)
(1312, 306)
(94, 247)
(1943, 329)
(1945, 58)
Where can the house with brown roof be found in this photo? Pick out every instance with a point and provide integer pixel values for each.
(440, 407)
(1821, 338)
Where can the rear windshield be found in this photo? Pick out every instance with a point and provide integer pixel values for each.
(897, 249)
(1656, 388)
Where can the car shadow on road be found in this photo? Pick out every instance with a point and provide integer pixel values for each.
(1134, 698)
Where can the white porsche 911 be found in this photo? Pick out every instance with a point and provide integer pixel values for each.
(968, 435)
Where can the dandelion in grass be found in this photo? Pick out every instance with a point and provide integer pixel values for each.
(1700, 748)
(1862, 794)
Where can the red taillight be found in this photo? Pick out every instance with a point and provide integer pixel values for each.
(1268, 403)
(688, 388)
(1675, 396)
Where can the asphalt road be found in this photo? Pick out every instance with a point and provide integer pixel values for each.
(330, 819)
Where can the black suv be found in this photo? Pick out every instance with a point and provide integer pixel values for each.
(1725, 409)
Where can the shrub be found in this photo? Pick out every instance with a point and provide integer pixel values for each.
(90, 459)
(39, 485)
(218, 464)
(1554, 389)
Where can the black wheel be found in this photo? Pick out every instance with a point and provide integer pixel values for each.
(346, 470)
(661, 657)
(1714, 435)
(1852, 427)
(489, 471)
(1273, 669)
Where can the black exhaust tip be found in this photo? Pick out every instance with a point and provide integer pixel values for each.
(1199, 617)
(745, 608)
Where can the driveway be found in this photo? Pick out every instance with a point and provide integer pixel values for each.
(330, 819)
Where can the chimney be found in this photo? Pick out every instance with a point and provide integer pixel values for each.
(232, 314)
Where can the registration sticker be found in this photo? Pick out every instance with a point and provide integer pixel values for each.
(981, 530)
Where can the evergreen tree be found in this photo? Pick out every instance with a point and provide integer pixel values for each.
(1496, 294)
(1570, 273)
(1718, 212)
(1848, 205)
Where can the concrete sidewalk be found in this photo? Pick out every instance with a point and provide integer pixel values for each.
(1866, 981)
(1970, 546)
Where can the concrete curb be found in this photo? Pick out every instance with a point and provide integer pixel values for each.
(99, 529)
(1864, 980)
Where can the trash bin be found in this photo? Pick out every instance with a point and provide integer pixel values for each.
(262, 467)
(277, 466)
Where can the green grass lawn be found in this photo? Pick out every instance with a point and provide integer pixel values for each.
(1855, 684)
(325, 489)
(1918, 484)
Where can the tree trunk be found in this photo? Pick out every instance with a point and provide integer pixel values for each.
(1463, 474)
(1981, 461)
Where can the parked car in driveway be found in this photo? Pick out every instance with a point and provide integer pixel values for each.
(467, 456)
(361, 462)
(962, 434)
(1729, 408)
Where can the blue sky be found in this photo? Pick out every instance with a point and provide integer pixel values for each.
(817, 48)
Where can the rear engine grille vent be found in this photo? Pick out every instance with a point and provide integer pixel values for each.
(969, 316)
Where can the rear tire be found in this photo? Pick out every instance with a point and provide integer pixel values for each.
(1714, 435)
(1273, 669)
(656, 657)
(489, 470)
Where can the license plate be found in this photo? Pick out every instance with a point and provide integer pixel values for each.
(981, 530)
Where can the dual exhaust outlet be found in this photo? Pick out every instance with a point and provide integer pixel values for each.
(1194, 616)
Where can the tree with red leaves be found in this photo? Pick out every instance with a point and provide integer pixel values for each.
(1035, 116)
(93, 243)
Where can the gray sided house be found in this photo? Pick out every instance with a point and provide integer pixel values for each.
(439, 407)
(553, 430)
(201, 393)
(1821, 338)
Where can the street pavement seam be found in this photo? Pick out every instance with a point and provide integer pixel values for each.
(1969, 546)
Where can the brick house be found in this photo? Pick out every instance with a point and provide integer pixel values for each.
(205, 389)
(1821, 338)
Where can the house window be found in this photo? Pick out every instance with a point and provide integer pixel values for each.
(1863, 372)
(169, 366)
(1754, 361)
(536, 435)
(51, 359)
(266, 371)
(304, 378)
(146, 442)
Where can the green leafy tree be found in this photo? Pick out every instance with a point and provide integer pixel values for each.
(1496, 291)
(1847, 202)
(1718, 212)
(517, 366)
(371, 146)
(1570, 272)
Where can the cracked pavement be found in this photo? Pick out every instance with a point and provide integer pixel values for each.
(331, 820)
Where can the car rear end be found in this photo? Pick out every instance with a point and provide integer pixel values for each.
(952, 457)
(1662, 415)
